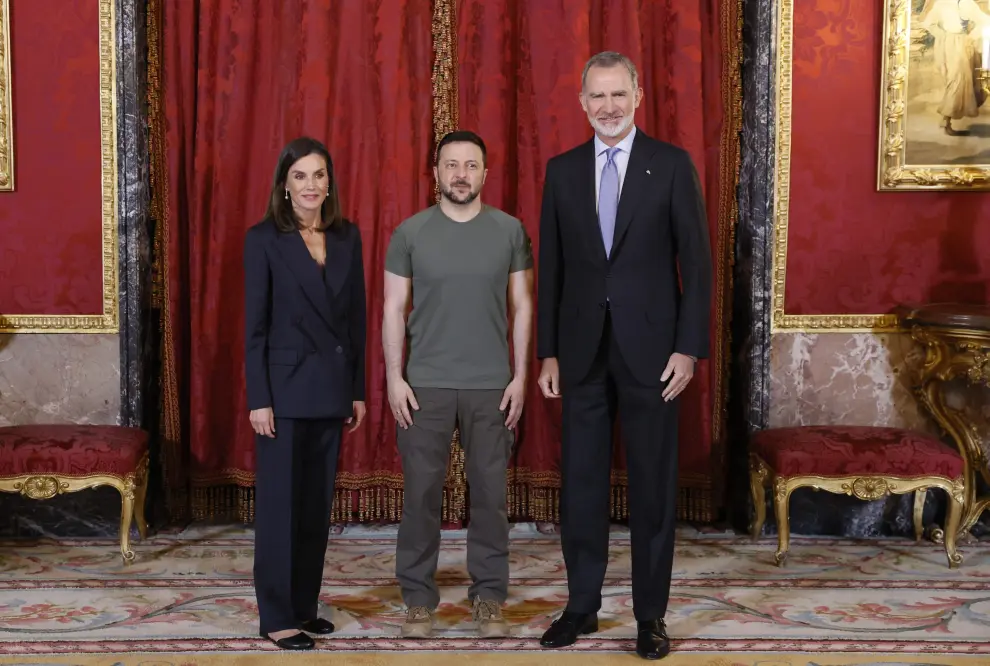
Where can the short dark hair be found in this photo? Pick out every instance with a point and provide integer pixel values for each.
(280, 208)
(460, 136)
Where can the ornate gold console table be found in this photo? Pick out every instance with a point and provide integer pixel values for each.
(956, 339)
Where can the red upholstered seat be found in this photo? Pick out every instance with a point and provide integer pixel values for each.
(71, 450)
(855, 450)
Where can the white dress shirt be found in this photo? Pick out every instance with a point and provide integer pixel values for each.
(621, 160)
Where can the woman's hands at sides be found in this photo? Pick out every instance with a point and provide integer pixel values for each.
(359, 411)
(263, 420)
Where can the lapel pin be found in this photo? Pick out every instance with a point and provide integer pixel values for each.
(647, 172)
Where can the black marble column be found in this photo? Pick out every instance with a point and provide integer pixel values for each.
(133, 201)
(750, 377)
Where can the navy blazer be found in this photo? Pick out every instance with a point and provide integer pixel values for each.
(657, 280)
(304, 325)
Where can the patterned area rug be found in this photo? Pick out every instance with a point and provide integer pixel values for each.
(835, 602)
(495, 659)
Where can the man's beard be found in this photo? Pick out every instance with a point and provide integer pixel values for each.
(453, 196)
(611, 132)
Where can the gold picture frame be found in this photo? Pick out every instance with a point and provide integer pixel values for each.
(6, 104)
(108, 321)
(936, 88)
(780, 321)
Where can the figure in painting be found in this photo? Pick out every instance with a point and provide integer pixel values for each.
(954, 24)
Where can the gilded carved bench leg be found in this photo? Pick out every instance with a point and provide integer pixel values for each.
(954, 511)
(781, 501)
(126, 516)
(919, 512)
(133, 489)
(758, 475)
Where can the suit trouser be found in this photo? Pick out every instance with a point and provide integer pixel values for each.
(425, 451)
(649, 431)
(294, 489)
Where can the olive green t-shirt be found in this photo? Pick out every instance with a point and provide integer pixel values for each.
(458, 327)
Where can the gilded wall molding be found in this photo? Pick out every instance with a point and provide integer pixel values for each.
(6, 104)
(107, 322)
(780, 320)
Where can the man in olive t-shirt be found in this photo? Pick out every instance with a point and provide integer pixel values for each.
(464, 266)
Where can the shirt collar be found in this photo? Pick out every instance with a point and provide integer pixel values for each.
(625, 145)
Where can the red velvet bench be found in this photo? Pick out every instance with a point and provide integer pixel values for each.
(41, 461)
(866, 462)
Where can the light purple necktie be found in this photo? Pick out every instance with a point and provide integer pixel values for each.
(608, 199)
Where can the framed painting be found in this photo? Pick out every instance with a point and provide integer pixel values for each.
(934, 109)
(6, 110)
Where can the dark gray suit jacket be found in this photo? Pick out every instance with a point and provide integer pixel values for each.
(658, 280)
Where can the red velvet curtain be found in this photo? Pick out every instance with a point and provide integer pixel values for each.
(519, 72)
(232, 82)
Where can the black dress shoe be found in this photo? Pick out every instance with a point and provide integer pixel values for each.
(298, 641)
(651, 640)
(317, 626)
(566, 629)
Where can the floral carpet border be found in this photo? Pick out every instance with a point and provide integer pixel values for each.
(943, 648)
(800, 583)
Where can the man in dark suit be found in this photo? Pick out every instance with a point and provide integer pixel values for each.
(623, 313)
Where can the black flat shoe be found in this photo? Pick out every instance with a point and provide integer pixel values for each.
(651, 639)
(317, 626)
(298, 641)
(566, 629)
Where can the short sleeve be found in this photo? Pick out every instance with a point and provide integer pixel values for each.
(522, 250)
(398, 259)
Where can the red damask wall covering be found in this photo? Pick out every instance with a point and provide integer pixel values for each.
(851, 249)
(50, 227)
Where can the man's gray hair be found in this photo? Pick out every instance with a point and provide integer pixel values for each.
(610, 59)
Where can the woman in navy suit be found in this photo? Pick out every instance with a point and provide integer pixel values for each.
(304, 361)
